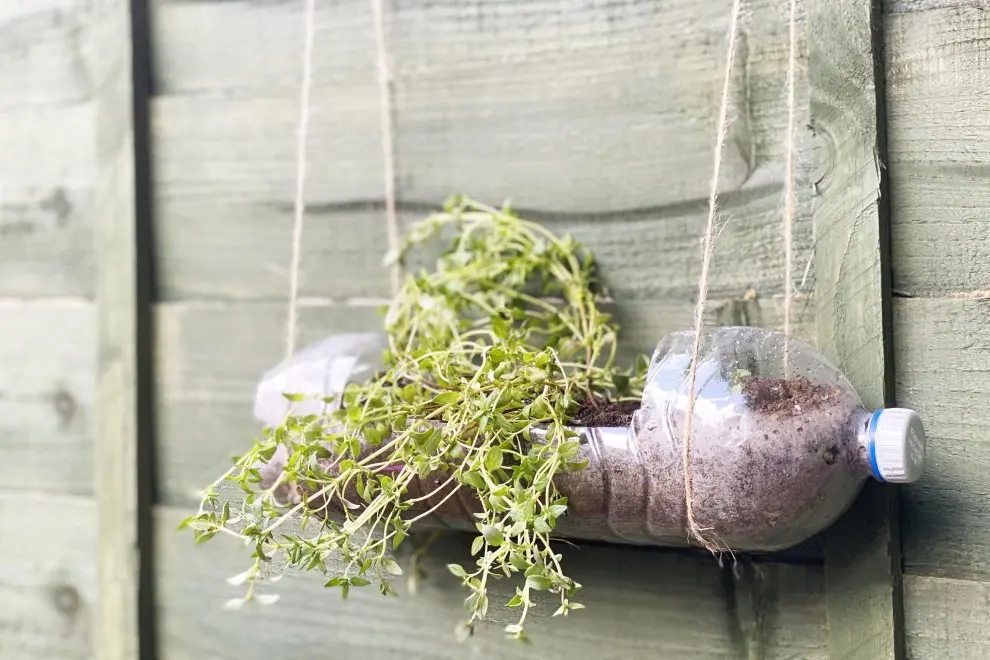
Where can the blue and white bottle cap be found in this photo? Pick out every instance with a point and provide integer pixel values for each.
(897, 445)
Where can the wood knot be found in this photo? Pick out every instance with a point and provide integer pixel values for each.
(66, 599)
(60, 206)
(65, 406)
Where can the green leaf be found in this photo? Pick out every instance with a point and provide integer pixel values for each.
(359, 582)
(477, 545)
(293, 397)
(445, 398)
(457, 570)
(493, 459)
(538, 583)
(501, 327)
(540, 526)
(577, 466)
(493, 535)
(473, 479)
(392, 567)
(557, 510)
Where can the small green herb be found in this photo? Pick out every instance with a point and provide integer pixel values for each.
(505, 334)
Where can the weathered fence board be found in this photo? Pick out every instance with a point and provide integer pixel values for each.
(48, 358)
(48, 582)
(940, 135)
(115, 632)
(41, 52)
(946, 619)
(862, 551)
(602, 149)
(46, 183)
(940, 148)
(944, 373)
(640, 604)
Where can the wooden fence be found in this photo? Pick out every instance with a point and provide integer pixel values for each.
(146, 180)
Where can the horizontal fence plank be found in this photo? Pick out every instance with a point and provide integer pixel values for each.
(244, 251)
(939, 139)
(946, 619)
(41, 52)
(211, 356)
(48, 590)
(46, 200)
(47, 380)
(582, 134)
(943, 372)
(640, 604)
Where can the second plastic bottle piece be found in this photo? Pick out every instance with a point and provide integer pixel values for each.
(780, 445)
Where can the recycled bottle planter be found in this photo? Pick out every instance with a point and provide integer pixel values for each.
(781, 444)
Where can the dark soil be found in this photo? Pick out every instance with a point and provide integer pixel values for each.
(603, 413)
(792, 397)
(765, 476)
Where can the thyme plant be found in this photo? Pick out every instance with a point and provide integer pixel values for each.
(503, 338)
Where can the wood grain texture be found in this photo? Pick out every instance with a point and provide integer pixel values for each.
(47, 382)
(946, 619)
(547, 106)
(115, 628)
(48, 583)
(42, 52)
(46, 200)
(905, 6)
(47, 137)
(640, 604)
(939, 141)
(862, 551)
(943, 353)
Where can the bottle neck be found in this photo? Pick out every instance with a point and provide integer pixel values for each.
(863, 421)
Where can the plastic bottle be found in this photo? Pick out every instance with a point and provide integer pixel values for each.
(780, 447)
(780, 444)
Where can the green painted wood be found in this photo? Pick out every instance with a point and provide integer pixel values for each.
(862, 553)
(619, 153)
(938, 143)
(46, 205)
(40, 45)
(47, 397)
(47, 133)
(943, 353)
(640, 605)
(946, 618)
(48, 581)
(115, 629)
(939, 148)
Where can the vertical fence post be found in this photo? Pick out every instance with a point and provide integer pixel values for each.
(122, 488)
(845, 70)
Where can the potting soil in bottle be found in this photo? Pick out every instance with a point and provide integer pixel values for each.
(780, 445)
